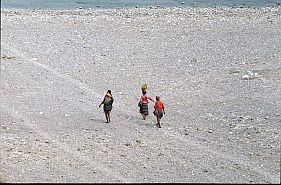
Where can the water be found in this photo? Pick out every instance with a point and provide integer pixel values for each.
(107, 4)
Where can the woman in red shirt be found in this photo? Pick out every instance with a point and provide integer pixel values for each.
(143, 104)
(159, 110)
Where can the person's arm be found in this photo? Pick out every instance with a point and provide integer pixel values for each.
(102, 102)
(140, 100)
(150, 99)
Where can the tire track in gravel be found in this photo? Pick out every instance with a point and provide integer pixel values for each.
(220, 155)
(69, 150)
(129, 113)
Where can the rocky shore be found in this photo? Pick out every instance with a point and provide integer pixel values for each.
(217, 70)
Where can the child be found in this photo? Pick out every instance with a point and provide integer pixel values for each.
(159, 110)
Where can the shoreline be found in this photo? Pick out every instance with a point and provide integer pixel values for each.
(161, 5)
(163, 12)
(147, 8)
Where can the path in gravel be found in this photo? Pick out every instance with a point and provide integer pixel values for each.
(221, 125)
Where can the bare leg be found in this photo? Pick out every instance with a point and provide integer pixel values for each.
(158, 121)
(108, 116)
(143, 116)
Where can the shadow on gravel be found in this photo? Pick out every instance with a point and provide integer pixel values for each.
(2, 180)
(97, 120)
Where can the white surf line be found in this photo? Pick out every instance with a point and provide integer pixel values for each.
(70, 151)
(81, 85)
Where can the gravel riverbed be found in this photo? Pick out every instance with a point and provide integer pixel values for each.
(217, 70)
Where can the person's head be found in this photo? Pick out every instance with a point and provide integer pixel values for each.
(157, 98)
(108, 93)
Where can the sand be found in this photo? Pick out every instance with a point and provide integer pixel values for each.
(217, 70)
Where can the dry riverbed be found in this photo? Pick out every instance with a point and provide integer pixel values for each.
(218, 72)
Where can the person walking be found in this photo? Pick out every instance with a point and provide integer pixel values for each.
(143, 104)
(107, 105)
(159, 110)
